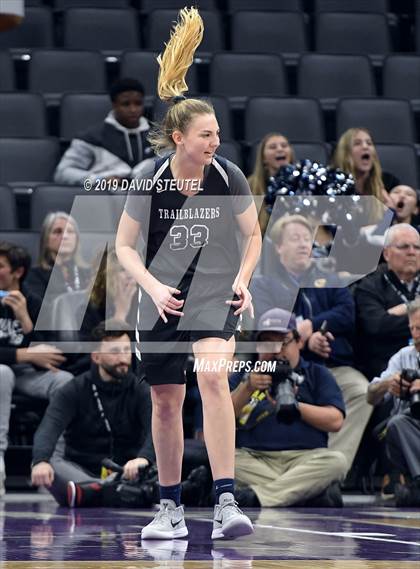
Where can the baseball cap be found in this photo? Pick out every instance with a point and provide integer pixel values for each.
(276, 320)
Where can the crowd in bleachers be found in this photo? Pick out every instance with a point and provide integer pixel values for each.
(77, 95)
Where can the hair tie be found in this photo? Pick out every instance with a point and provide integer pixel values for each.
(178, 99)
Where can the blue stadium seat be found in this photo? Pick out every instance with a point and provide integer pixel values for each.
(344, 32)
(22, 115)
(27, 160)
(265, 5)
(328, 77)
(269, 32)
(59, 71)
(106, 30)
(79, 111)
(8, 219)
(230, 75)
(298, 119)
(388, 120)
(7, 73)
(36, 30)
(401, 78)
(400, 160)
(378, 6)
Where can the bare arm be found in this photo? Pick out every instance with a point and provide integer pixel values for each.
(250, 230)
(125, 246)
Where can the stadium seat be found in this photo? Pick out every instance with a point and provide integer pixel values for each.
(341, 32)
(314, 151)
(329, 77)
(148, 6)
(378, 6)
(8, 219)
(401, 78)
(269, 32)
(80, 111)
(400, 160)
(160, 22)
(107, 30)
(67, 4)
(47, 198)
(59, 71)
(142, 65)
(22, 115)
(36, 30)
(27, 239)
(7, 73)
(388, 120)
(265, 5)
(221, 108)
(297, 119)
(28, 159)
(230, 150)
(230, 75)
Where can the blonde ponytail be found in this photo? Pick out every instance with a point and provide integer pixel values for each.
(174, 64)
(179, 54)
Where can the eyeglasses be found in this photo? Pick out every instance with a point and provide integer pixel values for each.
(270, 347)
(406, 246)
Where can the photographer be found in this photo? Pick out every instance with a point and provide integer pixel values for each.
(401, 381)
(283, 424)
(105, 412)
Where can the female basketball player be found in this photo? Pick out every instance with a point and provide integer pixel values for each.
(195, 281)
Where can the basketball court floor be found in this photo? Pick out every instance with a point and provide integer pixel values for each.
(36, 534)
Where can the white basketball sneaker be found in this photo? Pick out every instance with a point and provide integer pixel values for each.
(168, 523)
(229, 521)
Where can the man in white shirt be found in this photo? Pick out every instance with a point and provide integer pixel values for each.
(403, 430)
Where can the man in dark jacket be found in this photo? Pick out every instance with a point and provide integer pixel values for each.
(104, 413)
(317, 297)
(381, 301)
(32, 371)
(113, 148)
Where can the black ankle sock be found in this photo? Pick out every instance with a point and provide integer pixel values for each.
(171, 493)
(222, 486)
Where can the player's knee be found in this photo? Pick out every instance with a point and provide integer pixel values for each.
(166, 407)
(213, 383)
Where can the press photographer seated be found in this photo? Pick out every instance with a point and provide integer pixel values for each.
(401, 381)
(104, 413)
(283, 421)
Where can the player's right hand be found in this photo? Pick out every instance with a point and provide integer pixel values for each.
(42, 474)
(162, 296)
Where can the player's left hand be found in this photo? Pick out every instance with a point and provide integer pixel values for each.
(131, 468)
(244, 301)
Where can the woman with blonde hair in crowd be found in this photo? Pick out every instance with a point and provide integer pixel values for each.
(356, 154)
(59, 246)
(186, 246)
(273, 152)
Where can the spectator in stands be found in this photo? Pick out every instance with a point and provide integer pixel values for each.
(316, 297)
(114, 147)
(104, 413)
(287, 463)
(59, 247)
(381, 300)
(274, 151)
(356, 154)
(404, 201)
(402, 439)
(33, 371)
(113, 296)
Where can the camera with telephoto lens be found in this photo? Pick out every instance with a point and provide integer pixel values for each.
(284, 381)
(411, 375)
